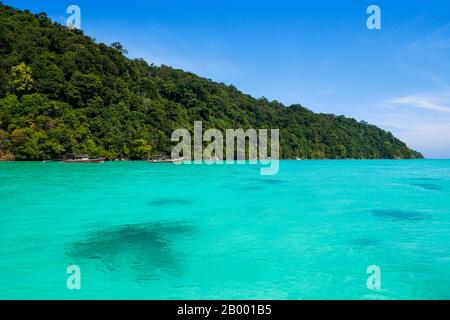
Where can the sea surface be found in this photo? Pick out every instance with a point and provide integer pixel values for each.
(162, 231)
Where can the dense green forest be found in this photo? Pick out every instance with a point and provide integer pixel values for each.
(62, 93)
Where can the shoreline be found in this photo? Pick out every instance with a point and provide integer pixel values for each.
(303, 160)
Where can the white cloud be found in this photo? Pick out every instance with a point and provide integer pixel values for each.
(421, 120)
(438, 103)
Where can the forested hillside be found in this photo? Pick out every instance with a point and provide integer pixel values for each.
(62, 93)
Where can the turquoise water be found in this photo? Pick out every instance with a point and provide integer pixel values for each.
(159, 231)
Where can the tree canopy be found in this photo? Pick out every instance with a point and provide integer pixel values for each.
(62, 93)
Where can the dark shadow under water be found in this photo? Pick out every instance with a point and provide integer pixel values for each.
(146, 249)
(163, 202)
(400, 214)
(426, 179)
(242, 187)
(365, 242)
(256, 184)
(427, 186)
(270, 181)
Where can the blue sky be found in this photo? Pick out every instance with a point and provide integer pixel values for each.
(316, 53)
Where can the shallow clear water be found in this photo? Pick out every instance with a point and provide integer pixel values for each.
(159, 231)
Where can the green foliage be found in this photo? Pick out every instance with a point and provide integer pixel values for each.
(61, 93)
(21, 78)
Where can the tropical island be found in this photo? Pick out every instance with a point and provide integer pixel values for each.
(62, 93)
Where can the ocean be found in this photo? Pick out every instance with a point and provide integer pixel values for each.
(138, 230)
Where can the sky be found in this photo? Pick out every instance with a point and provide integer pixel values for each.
(317, 53)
